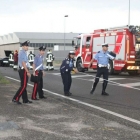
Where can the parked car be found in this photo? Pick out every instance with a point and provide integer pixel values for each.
(4, 62)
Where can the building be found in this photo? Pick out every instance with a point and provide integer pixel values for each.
(12, 41)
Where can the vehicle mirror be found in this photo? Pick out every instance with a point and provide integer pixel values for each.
(72, 42)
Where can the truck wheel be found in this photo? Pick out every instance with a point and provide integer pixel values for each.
(133, 73)
(111, 70)
(79, 66)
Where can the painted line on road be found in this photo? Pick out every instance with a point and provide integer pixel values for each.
(133, 84)
(111, 83)
(87, 104)
(75, 76)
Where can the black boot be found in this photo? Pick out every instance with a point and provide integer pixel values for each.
(93, 88)
(104, 88)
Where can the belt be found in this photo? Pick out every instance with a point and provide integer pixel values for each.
(102, 66)
(39, 70)
(22, 68)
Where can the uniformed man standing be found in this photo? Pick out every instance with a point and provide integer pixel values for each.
(24, 74)
(38, 71)
(49, 59)
(102, 58)
(31, 59)
(66, 67)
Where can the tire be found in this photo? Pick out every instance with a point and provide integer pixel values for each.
(79, 67)
(133, 73)
(111, 69)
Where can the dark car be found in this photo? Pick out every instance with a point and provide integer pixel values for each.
(5, 61)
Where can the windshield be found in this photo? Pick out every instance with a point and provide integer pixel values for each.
(137, 46)
(77, 42)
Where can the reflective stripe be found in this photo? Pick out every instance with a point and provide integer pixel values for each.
(24, 85)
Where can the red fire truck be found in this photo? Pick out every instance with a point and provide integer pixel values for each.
(122, 40)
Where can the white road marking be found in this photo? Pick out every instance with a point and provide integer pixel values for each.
(111, 79)
(132, 84)
(75, 76)
(56, 73)
(87, 104)
(111, 83)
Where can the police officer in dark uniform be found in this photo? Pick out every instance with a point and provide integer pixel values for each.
(66, 67)
(38, 71)
(102, 58)
(24, 74)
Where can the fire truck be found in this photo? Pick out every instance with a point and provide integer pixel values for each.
(124, 41)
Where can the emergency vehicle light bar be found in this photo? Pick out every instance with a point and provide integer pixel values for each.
(119, 27)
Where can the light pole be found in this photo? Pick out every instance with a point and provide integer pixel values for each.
(64, 30)
(129, 14)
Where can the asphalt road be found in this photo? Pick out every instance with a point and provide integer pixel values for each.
(123, 99)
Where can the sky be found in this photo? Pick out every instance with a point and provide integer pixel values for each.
(84, 16)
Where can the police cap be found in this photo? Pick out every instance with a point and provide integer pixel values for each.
(42, 48)
(105, 45)
(26, 43)
(72, 52)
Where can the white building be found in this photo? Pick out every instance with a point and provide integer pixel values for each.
(13, 41)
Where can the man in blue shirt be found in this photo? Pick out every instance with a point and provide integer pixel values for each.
(102, 58)
(24, 74)
(38, 71)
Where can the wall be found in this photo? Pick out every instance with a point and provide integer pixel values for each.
(10, 47)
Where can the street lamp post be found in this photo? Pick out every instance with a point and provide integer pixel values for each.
(129, 14)
(64, 30)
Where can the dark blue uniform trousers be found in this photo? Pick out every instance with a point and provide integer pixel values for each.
(101, 71)
(22, 90)
(67, 80)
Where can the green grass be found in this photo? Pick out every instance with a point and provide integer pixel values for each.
(3, 80)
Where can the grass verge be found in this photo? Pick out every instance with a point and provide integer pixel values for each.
(3, 80)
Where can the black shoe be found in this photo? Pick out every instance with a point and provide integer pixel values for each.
(67, 94)
(17, 102)
(104, 93)
(28, 102)
(92, 91)
(35, 99)
(13, 100)
(70, 93)
(43, 97)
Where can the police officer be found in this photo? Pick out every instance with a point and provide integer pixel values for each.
(66, 67)
(15, 60)
(49, 59)
(31, 59)
(38, 71)
(24, 74)
(102, 58)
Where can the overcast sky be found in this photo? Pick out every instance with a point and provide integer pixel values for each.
(48, 15)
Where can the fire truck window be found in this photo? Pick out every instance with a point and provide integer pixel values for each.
(88, 42)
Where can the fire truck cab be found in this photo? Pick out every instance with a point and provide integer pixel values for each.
(124, 41)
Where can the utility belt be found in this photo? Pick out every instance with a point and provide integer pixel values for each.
(102, 66)
(22, 68)
(39, 70)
